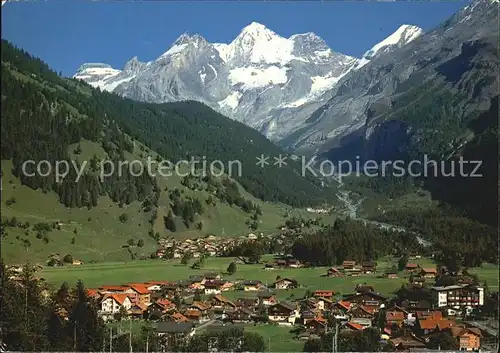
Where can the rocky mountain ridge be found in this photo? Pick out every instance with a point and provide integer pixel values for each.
(347, 114)
(262, 79)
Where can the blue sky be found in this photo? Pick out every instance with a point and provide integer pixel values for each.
(68, 33)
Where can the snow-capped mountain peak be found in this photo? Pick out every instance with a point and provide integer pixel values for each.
(257, 44)
(402, 36)
(256, 31)
(261, 78)
(96, 74)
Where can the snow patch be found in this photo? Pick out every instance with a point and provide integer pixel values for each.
(175, 49)
(251, 77)
(320, 84)
(403, 35)
(222, 48)
(112, 85)
(231, 101)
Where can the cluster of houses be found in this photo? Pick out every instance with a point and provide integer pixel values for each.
(352, 268)
(207, 301)
(211, 245)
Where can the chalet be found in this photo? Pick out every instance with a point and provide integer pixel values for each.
(213, 287)
(333, 272)
(226, 286)
(194, 316)
(430, 325)
(391, 274)
(317, 324)
(198, 312)
(348, 264)
(321, 303)
(280, 263)
(166, 305)
(407, 342)
(269, 267)
(267, 298)
(137, 310)
(469, 339)
(328, 294)
(249, 303)
(77, 262)
(368, 266)
(428, 272)
(283, 313)
(174, 333)
(354, 326)
(367, 299)
(241, 315)
(395, 316)
(411, 267)
(142, 293)
(171, 288)
(197, 282)
(362, 315)
(178, 317)
(252, 286)
(159, 308)
(285, 283)
(309, 303)
(112, 303)
(222, 304)
(340, 310)
(307, 316)
(294, 263)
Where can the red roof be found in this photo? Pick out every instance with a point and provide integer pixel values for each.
(345, 304)
(323, 293)
(430, 324)
(429, 270)
(369, 309)
(114, 288)
(395, 316)
(435, 315)
(411, 265)
(165, 303)
(140, 288)
(178, 317)
(92, 292)
(118, 297)
(355, 326)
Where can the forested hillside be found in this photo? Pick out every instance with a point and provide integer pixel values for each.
(48, 117)
(43, 113)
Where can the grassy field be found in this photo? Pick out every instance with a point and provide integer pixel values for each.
(94, 275)
(139, 271)
(99, 234)
(488, 273)
(277, 338)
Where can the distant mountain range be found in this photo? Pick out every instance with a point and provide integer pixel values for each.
(266, 81)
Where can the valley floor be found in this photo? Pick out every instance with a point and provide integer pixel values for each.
(94, 275)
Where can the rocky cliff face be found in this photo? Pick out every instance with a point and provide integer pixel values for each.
(453, 60)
